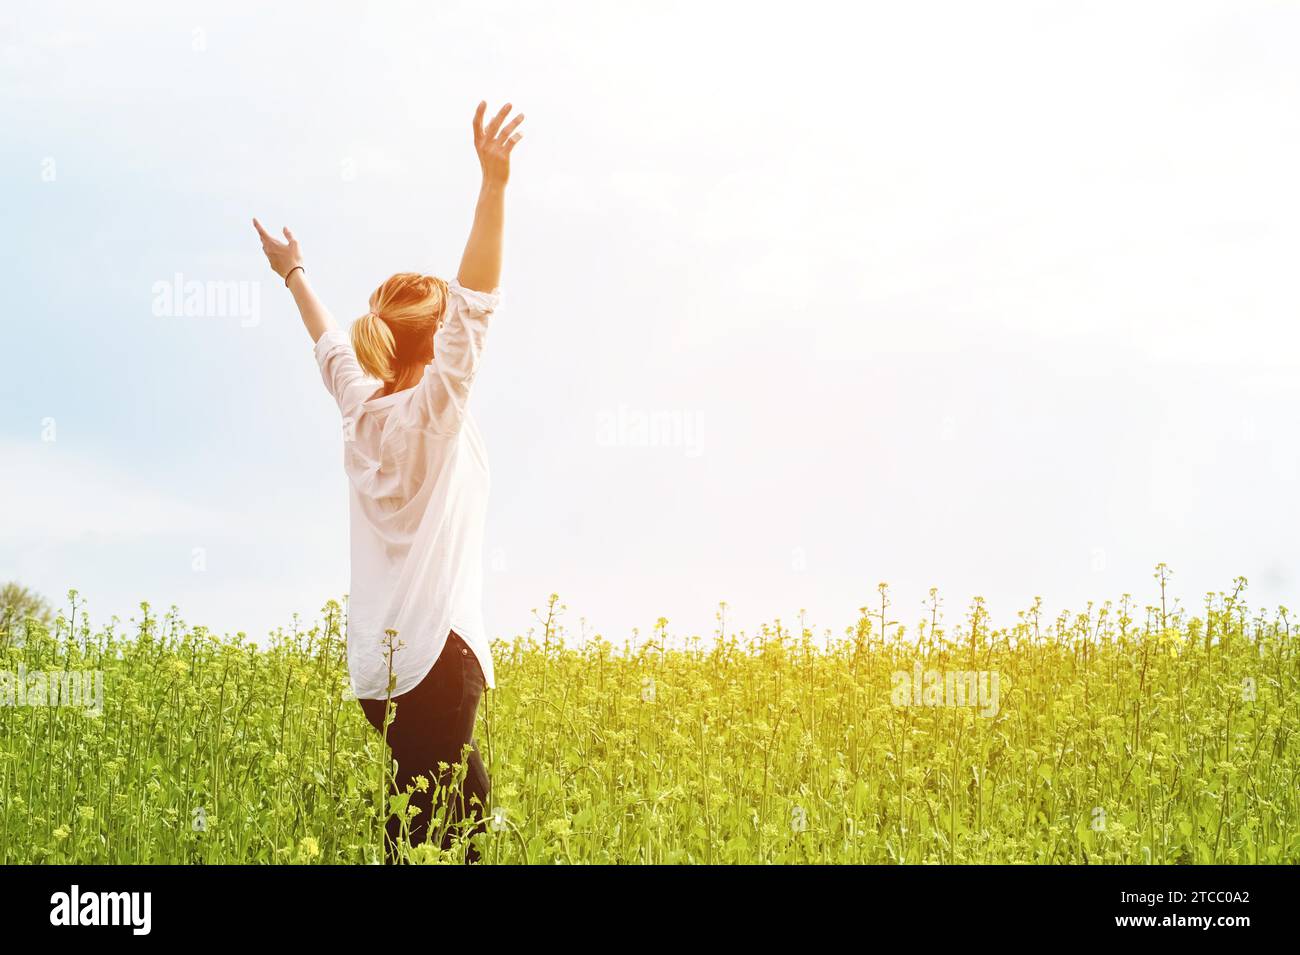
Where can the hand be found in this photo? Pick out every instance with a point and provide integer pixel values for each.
(283, 256)
(495, 143)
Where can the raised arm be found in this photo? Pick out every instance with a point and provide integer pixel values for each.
(480, 266)
(286, 260)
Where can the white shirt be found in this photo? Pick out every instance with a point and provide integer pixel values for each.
(418, 473)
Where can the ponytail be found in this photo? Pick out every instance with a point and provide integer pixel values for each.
(372, 340)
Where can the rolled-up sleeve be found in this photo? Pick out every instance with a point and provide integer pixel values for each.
(339, 367)
(443, 393)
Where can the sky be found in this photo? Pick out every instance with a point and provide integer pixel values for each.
(996, 298)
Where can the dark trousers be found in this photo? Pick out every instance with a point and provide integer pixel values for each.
(432, 724)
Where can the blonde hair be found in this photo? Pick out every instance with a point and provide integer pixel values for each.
(396, 335)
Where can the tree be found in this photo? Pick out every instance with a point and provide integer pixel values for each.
(18, 605)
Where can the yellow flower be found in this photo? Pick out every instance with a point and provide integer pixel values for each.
(308, 849)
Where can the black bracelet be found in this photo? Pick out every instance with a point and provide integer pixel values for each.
(290, 272)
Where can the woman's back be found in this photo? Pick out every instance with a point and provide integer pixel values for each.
(419, 482)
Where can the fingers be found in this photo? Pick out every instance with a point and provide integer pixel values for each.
(493, 126)
(510, 143)
(504, 135)
(269, 242)
(478, 121)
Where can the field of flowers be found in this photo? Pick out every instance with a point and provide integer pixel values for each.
(1117, 734)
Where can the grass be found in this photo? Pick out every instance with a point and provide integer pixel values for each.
(1120, 737)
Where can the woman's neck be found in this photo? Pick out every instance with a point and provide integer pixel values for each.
(407, 377)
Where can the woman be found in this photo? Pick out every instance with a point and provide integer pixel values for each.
(419, 484)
